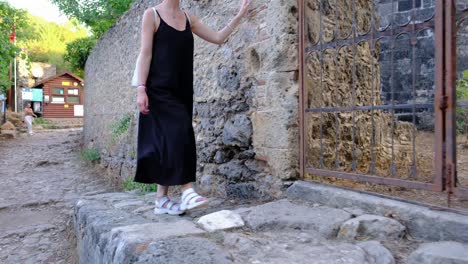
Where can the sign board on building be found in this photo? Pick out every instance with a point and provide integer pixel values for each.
(26, 94)
(78, 110)
(36, 95)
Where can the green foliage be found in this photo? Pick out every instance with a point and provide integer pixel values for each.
(90, 154)
(121, 126)
(462, 95)
(130, 185)
(99, 15)
(47, 41)
(78, 52)
(9, 18)
(41, 121)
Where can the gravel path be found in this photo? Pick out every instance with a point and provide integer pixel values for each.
(40, 178)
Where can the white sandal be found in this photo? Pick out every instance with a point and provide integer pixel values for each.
(166, 206)
(189, 200)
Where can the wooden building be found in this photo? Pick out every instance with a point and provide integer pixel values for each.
(63, 96)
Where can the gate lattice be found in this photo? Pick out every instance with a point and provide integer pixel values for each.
(362, 73)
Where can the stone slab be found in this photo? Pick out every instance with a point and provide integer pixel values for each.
(446, 252)
(418, 219)
(293, 247)
(283, 214)
(186, 250)
(125, 240)
(106, 234)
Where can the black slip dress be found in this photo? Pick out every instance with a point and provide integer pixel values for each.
(166, 151)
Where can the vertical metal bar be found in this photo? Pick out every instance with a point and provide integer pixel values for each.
(372, 49)
(301, 89)
(337, 135)
(321, 113)
(439, 95)
(392, 88)
(414, 41)
(450, 79)
(353, 90)
(322, 54)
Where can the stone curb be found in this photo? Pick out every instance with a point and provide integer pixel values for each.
(422, 222)
(106, 234)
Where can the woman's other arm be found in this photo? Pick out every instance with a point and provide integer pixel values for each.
(144, 58)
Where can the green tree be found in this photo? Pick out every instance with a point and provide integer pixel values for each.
(10, 18)
(78, 52)
(99, 15)
(47, 41)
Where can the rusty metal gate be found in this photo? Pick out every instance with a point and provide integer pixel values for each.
(378, 99)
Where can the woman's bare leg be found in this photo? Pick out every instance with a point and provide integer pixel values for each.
(161, 192)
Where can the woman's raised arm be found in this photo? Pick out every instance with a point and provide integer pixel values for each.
(218, 37)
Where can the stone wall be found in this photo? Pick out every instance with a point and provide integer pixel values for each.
(246, 95)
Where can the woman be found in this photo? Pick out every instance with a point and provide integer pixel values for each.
(166, 141)
(28, 117)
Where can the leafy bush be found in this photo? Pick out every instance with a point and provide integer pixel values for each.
(130, 185)
(462, 95)
(121, 126)
(41, 121)
(90, 154)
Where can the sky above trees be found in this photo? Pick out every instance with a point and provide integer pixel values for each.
(41, 8)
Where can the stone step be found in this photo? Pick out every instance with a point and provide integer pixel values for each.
(418, 219)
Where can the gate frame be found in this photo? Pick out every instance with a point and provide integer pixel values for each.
(444, 107)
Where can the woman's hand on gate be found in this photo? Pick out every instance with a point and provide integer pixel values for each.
(142, 101)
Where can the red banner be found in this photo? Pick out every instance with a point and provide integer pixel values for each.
(13, 35)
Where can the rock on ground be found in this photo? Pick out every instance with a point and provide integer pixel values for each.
(378, 253)
(220, 220)
(440, 253)
(371, 227)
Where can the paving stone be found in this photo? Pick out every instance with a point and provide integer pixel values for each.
(367, 227)
(128, 204)
(446, 252)
(279, 247)
(187, 250)
(377, 253)
(220, 220)
(284, 214)
(40, 200)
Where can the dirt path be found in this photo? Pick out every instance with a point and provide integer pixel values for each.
(40, 178)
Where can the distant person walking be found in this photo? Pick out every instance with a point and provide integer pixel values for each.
(166, 141)
(28, 118)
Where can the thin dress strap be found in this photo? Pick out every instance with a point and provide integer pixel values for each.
(156, 15)
(188, 18)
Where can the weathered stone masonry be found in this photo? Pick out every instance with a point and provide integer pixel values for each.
(246, 96)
